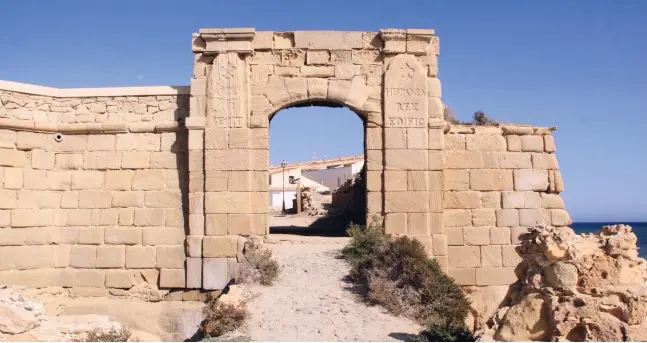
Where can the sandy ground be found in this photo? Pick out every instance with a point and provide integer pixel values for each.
(310, 301)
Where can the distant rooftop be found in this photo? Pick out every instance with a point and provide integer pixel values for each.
(319, 164)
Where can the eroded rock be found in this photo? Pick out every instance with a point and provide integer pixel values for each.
(575, 288)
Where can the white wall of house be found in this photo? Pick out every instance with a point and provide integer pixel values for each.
(333, 177)
(277, 196)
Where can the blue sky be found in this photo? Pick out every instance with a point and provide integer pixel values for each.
(577, 65)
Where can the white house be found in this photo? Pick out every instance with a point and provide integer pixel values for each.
(321, 175)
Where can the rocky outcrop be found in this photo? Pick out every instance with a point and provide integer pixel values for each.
(575, 288)
(23, 319)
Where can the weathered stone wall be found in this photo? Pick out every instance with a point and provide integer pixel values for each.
(101, 188)
(499, 181)
(93, 190)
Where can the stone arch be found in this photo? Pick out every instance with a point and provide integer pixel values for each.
(243, 77)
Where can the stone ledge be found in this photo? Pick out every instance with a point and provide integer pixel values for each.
(505, 130)
(89, 128)
(91, 92)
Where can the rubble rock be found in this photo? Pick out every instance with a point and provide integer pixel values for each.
(575, 288)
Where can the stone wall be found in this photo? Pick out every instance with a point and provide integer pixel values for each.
(498, 182)
(93, 188)
(104, 188)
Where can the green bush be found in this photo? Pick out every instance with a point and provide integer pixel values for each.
(444, 333)
(221, 318)
(401, 277)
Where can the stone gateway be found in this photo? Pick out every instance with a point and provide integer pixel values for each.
(104, 189)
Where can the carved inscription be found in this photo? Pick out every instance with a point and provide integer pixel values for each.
(406, 122)
(226, 92)
(405, 93)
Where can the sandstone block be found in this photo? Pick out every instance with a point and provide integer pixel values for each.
(464, 256)
(146, 180)
(396, 223)
(374, 160)
(521, 200)
(87, 179)
(13, 158)
(317, 88)
(138, 257)
(163, 236)
(128, 236)
(551, 201)
(514, 142)
(483, 217)
(404, 159)
(491, 256)
(455, 142)
(83, 256)
(215, 273)
(314, 57)
(111, 256)
(118, 180)
(395, 180)
(516, 232)
(163, 199)
(456, 180)
(560, 217)
(374, 181)
(135, 160)
(8, 199)
(62, 255)
(219, 246)
(59, 180)
(463, 276)
(172, 278)
(216, 181)
(494, 276)
(318, 71)
(436, 201)
(459, 159)
(417, 138)
(439, 242)
(436, 160)
(228, 202)
(126, 216)
(544, 161)
(476, 235)
(454, 235)
(461, 200)
(194, 273)
(35, 179)
(29, 217)
(41, 159)
(514, 160)
(491, 199)
(138, 142)
(406, 202)
(90, 235)
(127, 199)
(120, 278)
(101, 142)
(507, 217)
(530, 180)
(532, 143)
(395, 138)
(13, 178)
(486, 143)
(436, 180)
(87, 278)
(534, 217)
(194, 246)
(418, 223)
(68, 161)
(9, 236)
(500, 235)
(170, 257)
(95, 199)
(491, 180)
(455, 218)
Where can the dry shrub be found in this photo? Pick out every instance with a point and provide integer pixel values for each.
(401, 277)
(259, 266)
(112, 335)
(221, 318)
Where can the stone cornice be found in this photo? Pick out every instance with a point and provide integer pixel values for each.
(91, 92)
(89, 128)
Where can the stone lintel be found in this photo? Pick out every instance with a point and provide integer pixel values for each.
(224, 40)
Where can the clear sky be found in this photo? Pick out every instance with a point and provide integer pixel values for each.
(577, 65)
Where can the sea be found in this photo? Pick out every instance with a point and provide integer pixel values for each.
(638, 228)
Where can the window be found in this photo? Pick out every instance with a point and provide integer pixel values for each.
(291, 179)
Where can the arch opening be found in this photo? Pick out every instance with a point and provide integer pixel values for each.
(322, 180)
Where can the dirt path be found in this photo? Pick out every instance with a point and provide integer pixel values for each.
(311, 302)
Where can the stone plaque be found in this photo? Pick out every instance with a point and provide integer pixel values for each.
(227, 92)
(405, 93)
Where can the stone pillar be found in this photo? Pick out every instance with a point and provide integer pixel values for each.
(413, 141)
(235, 156)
